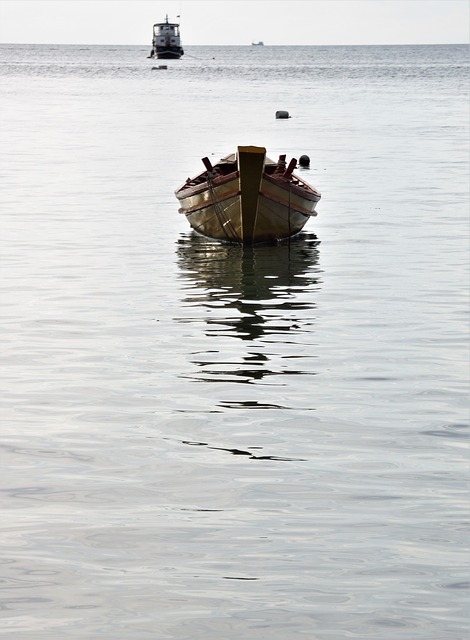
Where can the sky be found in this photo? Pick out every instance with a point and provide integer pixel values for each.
(237, 22)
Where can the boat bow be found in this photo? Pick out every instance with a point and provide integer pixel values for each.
(251, 162)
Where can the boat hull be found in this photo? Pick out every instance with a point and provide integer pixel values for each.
(248, 206)
(169, 54)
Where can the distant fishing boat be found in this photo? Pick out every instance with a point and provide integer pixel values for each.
(166, 41)
(246, 198)
(257, 44)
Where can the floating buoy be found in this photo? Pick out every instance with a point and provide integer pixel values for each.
(282, 115)
(304, 161)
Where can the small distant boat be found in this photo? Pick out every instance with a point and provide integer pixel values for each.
(246, 198)
(257, 44)
(166, 41)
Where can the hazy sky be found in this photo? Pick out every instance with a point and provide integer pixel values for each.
(237, 22)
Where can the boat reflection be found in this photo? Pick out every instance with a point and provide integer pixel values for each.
(264, 296)
(254, 291)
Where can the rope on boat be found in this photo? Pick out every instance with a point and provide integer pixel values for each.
(288, 215)
(188, 55)
(223, 221)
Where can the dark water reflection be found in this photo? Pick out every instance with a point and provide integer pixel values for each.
(241, 452)
(263, 296)
(257, 287)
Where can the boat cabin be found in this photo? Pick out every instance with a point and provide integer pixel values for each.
(166, 33)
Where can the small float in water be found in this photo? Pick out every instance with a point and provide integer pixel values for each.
(246, 198)
(166, 41)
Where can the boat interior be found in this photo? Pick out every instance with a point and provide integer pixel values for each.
(228, 167)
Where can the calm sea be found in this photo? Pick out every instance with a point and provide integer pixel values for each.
(205, 442)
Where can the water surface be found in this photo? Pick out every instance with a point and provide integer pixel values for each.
(202, 441)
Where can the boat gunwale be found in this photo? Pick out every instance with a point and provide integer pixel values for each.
(187, 189)
(299, 187)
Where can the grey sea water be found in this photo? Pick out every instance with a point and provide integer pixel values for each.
(201, 441)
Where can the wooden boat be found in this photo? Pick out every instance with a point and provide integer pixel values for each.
(246, 198)
(166, 41)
